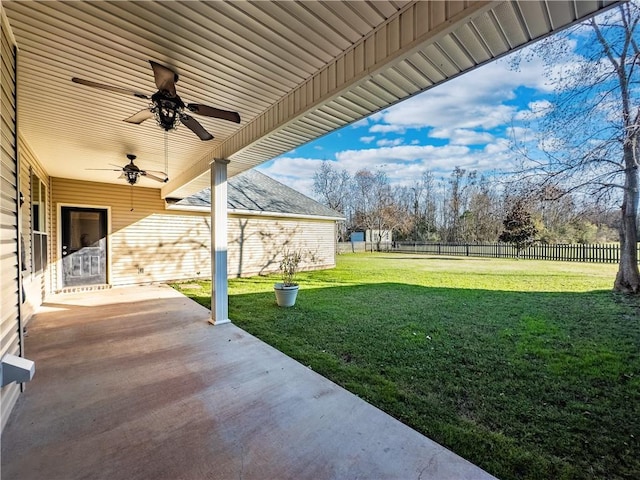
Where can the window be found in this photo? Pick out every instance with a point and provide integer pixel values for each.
(39, 257)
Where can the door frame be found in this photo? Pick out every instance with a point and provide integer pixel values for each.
(59, 269)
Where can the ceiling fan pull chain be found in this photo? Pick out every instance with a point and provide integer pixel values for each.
(131, 198)
(166, 154)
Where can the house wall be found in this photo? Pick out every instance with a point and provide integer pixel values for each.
(256, 243)
(10, 320)
(378, 236)
(146, 243)
(152, 244)
(36, 284)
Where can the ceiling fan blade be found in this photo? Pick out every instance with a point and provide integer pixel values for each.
(110, 88)
(193, 125)
(214, 112)
(153, 177)
(140, 117)
(165, 77)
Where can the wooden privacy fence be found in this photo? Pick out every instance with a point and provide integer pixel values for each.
(594, 253)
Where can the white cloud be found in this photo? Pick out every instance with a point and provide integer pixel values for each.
(389, 143)
(520, 134)
(381, 128)
(474, 113)
(445, 109)
(364, 122)
(502, 145)
(462, 136)
(471, 101)
(295, 172)
(537, 109)
(354, 159)
(403, 164)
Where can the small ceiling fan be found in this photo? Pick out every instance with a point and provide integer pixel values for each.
(166, 106)
(132, 173)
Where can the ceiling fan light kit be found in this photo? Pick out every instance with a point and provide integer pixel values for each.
(167, 111)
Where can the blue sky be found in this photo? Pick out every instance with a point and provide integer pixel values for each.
(466, 122)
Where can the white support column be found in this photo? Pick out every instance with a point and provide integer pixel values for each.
(219, 285)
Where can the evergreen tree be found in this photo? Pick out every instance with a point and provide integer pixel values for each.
(519, 228)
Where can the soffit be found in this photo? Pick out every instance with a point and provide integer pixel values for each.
(293, 70)
(241, 56)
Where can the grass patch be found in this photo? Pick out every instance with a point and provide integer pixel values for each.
(529, 369)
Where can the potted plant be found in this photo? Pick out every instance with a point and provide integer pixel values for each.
(287, 290)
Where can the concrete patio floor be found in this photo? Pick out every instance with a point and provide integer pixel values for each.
(133, 383)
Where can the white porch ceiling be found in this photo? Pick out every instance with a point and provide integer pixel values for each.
(293, 70)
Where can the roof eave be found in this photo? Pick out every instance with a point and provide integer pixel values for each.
(253, 213)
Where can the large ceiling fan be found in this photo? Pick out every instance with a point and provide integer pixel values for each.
(166, 106)
(132, 173)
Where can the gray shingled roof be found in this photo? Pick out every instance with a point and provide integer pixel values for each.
(256, 192)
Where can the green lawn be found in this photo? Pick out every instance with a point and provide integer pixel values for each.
(529, 369)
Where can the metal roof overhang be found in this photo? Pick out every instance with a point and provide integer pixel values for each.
(293, 70)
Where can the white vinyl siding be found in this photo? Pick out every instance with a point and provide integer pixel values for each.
(152, 244)
(256, 243)
(160, 247)
(10, 302)
(36, 284)
(145, 243)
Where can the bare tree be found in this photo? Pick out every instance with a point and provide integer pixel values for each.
(483, 217)
(589, 133)
(364, 200)
(461, 184)
(332, 187)
(407, 201)
(375, 207)
(417, 206)
(427, 204)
